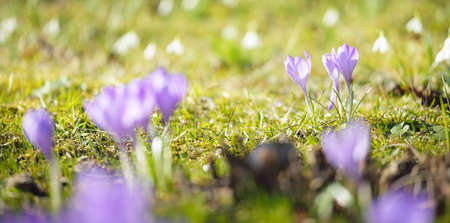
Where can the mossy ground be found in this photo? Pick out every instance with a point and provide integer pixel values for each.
(237, 97)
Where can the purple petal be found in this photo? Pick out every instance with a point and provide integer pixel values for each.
(169, 90)
(99, 197)
(401, 206)
(38, 127)
(347, 148)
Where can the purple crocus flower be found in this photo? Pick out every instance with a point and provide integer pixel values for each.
(99, 197)
(38, 127)
(329, 60)
(401, 206)
(347, 58)
(169, 90)
(347, 148)
(299, 70)
(120, 110)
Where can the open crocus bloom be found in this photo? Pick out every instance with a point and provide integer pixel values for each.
(347, 149)
(401, 206)
(169, 90)
(120, 110)
(38, 127)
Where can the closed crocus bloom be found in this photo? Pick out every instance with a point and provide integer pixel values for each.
(444, 54)
(329, 60)
(99, 197)
(38, 127)
(120, 110)
(169, 90)
(380, 45)
(346, 149)
(299, 70)
(347, 58)
(401, 206)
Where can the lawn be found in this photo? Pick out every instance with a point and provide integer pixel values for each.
(61, 53)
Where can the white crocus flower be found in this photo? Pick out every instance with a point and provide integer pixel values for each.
(230, 3)
(52, 28)
(331, 17)
(7, 27)
(251, 40)
(150, 51)
(126, 42)
(230, 32)
(414, 25)
(189, 5)
(444, 54)
(175, 47)
(165, 7)
(381, 45)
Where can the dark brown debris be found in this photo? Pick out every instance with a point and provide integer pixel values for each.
(26, 183)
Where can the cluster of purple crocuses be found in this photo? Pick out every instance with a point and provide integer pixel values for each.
(343, 62)
(120, 111)
(347, 149)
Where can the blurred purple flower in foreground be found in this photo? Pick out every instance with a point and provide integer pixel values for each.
(32, 217)
(401, 206)
(99, 197)
(120, 110)
(347, 148)
(347, 58)
(299, 70)
(169, 90)
(329, 60)
(37, 125)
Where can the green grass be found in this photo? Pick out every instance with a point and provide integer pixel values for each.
(236, 98)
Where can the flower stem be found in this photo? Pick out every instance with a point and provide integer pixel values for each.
(125, 164)
(55, 196)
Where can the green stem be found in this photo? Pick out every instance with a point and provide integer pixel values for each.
(55, 190)
(125, 164)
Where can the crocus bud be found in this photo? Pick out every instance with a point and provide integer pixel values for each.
(38, 127)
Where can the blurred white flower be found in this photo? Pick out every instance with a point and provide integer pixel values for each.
(7, 27)
(126, 42)
(444, 54)
(230, 3)
(206, 167)
(150, 51)
(175, 47)
(381, 45)
(414, 25)
(230, 32)
(189, 5)
(165, 7)
(52, 28)
(331, 17)
(251, 40)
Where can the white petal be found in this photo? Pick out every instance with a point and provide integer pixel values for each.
(189, 5)
(251, 40)
(414, 25)
(7, 27)
(150, 51)
(165, 7)
(331, 17)
(380, 45)
(444, 54)
(230, 32)
(52, 28)
(230, 3)
(175, 47)
(128, 41)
